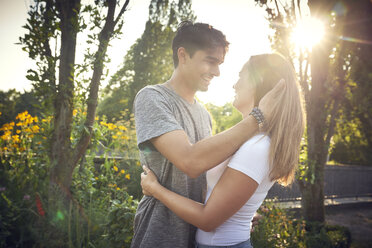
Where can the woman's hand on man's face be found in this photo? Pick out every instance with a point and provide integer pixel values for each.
(148, 181)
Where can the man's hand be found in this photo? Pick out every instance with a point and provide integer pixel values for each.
(256, 218)
(268, 102)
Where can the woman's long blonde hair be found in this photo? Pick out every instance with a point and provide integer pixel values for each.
(286, 125)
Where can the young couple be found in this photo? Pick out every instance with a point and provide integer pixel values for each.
(202, 190)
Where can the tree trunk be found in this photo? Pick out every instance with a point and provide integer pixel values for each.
(319, 128)
(61, 152)
(64, 157)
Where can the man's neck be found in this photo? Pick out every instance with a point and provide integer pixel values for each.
(182, 88)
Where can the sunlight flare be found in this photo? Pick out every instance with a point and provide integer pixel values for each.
(308, 33)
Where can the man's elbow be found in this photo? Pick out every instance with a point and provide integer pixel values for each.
(190, 167)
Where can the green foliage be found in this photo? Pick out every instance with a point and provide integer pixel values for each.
(101, 206)
(278, 228)
(148, 61)
(349, 144)
(13, 102)
(353, 132)
(223, 117)
(319, 235)
(43, 29)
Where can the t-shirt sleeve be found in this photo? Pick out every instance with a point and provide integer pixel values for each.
(252, 158)
(153, 115)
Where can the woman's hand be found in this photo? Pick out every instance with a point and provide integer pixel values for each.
(149, 182)
(268, 102)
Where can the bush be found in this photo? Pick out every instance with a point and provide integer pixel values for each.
(101, 209)
(278, 228)
(324, 236)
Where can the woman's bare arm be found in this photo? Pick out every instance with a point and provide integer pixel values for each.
(231, 192)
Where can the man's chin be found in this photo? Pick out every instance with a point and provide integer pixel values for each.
(203, 89)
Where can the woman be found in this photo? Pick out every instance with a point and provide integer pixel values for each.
(238, 186)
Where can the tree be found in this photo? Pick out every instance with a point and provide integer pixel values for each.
(324, 74)
(149, 60)
(353, 139)
(223, 117)
(13, 102)
(53, 26)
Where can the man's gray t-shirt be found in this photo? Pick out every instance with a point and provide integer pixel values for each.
(159, 110)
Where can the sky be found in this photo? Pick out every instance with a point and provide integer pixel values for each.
(242, 22)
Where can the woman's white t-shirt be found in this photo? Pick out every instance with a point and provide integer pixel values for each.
(252, 160)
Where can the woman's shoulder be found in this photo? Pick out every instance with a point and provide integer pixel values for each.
(257, 142)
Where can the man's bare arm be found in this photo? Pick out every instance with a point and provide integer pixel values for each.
(194, 159)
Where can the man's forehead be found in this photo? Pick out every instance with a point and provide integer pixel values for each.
(217, 53)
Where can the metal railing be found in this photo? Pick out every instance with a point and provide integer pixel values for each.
(339, 182)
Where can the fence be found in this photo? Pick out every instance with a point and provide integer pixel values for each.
(339, 182)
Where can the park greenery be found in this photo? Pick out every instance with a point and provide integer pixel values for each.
(69, 168)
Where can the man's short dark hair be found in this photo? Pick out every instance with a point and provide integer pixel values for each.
(197, 36)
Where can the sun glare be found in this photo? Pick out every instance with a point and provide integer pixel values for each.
(308, 33)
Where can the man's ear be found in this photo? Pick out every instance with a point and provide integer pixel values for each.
(182, 55)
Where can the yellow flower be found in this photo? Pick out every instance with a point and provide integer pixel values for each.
(127, 176)
(74, 112)
(114, 137)
(6, 135)
(35, 129)
(18, 131)
(22, 116)
(117, 188)
(122, 171)
(111, 126)
(16, 138)
(96, 178)
(138, 163)
(122, 128)
(5, 148)
(115, 168)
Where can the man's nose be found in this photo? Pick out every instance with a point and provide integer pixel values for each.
(216, 71)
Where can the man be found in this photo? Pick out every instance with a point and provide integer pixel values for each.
(173, 134)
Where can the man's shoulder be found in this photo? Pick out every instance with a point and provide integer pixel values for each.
(152, 89)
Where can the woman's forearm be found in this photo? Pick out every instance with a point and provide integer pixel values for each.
(185, 208)
(209, 152)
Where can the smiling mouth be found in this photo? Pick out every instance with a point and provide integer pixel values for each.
(208, 80)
